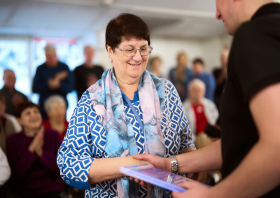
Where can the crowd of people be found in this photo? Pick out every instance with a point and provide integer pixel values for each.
(29, 149)
(127, 110)
(31, 134)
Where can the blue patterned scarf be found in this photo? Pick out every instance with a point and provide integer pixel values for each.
(108, 104)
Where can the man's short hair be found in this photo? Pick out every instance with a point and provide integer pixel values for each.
(24, 105)
(8, 70)
(88, 46)
(198, 60)
(50, 48)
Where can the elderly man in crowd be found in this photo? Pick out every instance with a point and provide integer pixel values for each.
(88, 73)
(11, 95)
(52, 77)
(199, 110)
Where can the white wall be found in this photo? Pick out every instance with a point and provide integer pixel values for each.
(168, 49)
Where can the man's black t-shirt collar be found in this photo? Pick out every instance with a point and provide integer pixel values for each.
(267, 9)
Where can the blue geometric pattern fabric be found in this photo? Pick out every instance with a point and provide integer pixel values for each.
(85, 141)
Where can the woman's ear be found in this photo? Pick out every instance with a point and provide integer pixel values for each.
(110, 51)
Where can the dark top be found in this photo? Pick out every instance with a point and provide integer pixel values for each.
(10, 108)
(32, 175)
(81, 76)
(254, 64)
(181, 86)
(40, 83)
(219, 87)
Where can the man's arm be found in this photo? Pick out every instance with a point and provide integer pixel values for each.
(204, 159)
(259, 172)
(39, 84)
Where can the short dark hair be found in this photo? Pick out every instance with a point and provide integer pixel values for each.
(198, 60)
(24, 105)
(128, 26)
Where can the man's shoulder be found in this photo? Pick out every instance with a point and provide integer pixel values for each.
(62, 65)
(41, 67)
(258, 28)
(99, 67)
(23, 95)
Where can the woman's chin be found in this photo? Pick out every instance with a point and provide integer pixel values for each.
(135, 74)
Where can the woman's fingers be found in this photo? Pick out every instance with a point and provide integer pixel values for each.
(202, 176)
(190, 175)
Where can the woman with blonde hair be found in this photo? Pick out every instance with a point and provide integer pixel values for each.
(180, 74)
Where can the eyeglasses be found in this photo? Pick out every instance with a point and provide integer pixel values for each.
(144, 51)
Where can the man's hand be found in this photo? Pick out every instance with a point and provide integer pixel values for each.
(159, 162)
(194, 190)
(54, 83)
(61, 75)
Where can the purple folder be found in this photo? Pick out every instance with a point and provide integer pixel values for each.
(155, 176)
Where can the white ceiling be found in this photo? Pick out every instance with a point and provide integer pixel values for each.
(75, 18)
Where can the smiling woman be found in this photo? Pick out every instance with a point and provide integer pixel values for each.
(128, 111)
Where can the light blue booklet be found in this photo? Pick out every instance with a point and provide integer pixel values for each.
(155, 176)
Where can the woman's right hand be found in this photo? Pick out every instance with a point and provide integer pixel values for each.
(154, 160)
(159, 162)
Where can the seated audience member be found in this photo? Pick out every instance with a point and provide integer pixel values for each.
(32, 156)
(11, 95)
(208, 79)
(6, 126)
(12, 118)
(55, 107)
(88, 73)
(220, 75)
(199, 110)
(155, 66)
(180, 75)
(5, 170)
(51, 78)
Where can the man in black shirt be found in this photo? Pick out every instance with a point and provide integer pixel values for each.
(248, 152)
(87, 73)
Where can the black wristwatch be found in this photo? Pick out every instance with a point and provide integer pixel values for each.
(174, 164)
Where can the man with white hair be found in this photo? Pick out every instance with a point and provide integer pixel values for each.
(248, 152)
(52, 77)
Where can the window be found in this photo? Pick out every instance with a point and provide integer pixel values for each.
(14, 55)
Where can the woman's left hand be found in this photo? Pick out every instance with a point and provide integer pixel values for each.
(194, 190)
(200, 176)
